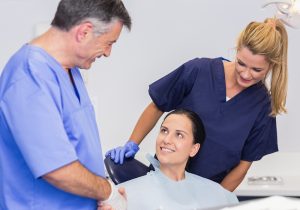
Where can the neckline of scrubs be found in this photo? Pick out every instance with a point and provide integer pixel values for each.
(74, 84)
(219, 71)
(64, 74)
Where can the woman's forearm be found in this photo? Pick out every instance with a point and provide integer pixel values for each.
(236, 176)
(146, 122)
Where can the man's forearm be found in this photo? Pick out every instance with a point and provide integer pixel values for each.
(75, 178)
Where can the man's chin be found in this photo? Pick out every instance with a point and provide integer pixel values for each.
(85, 67)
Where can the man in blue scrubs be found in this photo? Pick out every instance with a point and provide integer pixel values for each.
(50, 152)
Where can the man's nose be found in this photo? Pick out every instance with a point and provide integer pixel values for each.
(107, 52)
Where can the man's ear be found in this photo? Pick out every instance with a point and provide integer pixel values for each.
(83, 31)
(194, 150)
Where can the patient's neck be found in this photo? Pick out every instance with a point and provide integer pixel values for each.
(173, 172)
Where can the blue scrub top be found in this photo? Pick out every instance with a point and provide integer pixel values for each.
(45, 123)
(238, 129)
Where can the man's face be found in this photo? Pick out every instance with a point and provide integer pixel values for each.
(96, 46)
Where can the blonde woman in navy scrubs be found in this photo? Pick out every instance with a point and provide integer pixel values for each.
(237, 106)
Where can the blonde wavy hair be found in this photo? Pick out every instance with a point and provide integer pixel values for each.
(270, 39)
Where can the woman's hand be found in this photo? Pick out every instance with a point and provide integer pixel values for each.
(106, 206)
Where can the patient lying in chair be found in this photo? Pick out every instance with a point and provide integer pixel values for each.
(169, 186)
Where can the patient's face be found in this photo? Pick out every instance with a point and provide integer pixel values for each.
(174, 144)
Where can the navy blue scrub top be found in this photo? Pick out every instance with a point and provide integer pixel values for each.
(238, 129)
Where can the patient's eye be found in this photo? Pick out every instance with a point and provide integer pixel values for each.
(179, 135)
(163, 130)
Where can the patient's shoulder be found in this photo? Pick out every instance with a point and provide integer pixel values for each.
(212, 188)
(199, 179)
(203, 181)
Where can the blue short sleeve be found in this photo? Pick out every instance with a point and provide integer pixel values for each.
(36, 124)
(263, 137)
(171, 89)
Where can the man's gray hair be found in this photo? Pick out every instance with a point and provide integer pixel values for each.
(100, 27)
(101, 13)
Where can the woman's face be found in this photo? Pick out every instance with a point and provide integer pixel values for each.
(250, 68)
(175, 141)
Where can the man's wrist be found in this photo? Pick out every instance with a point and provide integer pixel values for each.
(105, 190)
(110, 190)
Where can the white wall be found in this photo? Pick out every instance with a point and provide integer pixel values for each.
(17, 21)
(165, 34)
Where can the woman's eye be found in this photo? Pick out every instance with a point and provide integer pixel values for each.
(180, 135)
(163, 130)
(257, 70)
(241, 64)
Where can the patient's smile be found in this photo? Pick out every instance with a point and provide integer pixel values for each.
(164, 149)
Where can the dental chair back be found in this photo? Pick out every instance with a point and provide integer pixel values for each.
(130, 169)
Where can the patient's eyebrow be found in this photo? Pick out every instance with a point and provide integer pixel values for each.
(182, 131)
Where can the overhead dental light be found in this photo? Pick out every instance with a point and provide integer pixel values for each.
(287, 10)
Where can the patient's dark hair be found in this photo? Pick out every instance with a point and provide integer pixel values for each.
(197, 125)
